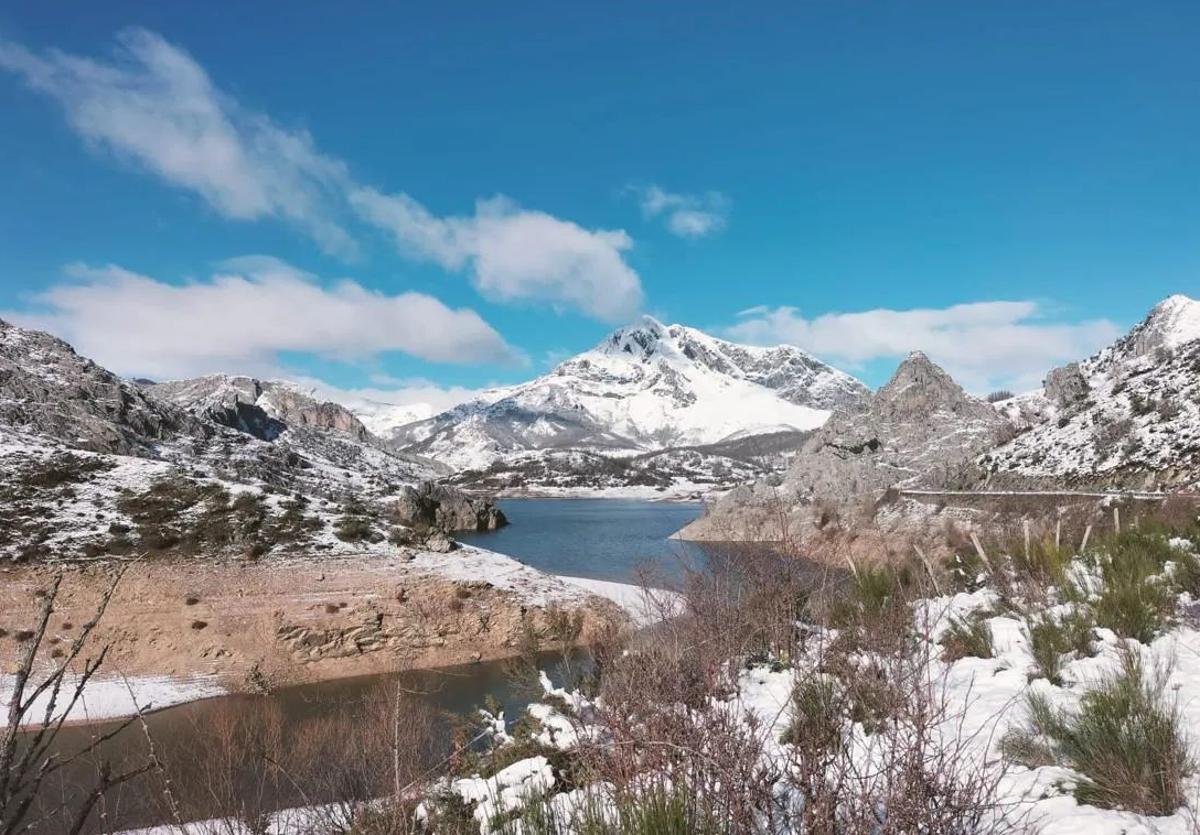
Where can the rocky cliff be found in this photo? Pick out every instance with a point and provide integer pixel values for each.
(920, 429)
(48, 389)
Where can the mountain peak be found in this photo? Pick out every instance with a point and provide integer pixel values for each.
(915, 366)
(639, 339)
(920, 386)
(1171, 323)
(1177, 319)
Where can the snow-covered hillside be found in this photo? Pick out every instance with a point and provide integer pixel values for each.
(1128, 416)
(383, 419)
(646, 387)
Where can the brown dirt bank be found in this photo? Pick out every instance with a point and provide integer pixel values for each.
(284, 621)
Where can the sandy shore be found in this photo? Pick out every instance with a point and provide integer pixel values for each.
(184, 629)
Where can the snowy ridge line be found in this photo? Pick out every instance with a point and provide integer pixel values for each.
(1147, 495)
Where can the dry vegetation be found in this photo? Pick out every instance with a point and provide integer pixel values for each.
(665, 749)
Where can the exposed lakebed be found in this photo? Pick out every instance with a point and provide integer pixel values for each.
(603, 539)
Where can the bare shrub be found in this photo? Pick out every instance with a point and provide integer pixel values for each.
(28, 760)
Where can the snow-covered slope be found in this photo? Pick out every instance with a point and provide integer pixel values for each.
(646, 387)
(383, 419)
(77, 442)
(1128, 416)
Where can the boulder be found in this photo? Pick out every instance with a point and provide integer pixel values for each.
(436, 507)
(1066, 386)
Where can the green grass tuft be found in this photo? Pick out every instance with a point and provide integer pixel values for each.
(1126, 740)
(1051, 638)
(967, 638)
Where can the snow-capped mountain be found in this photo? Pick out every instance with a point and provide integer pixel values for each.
(646, 387)
(1128, 416)
(383, 419)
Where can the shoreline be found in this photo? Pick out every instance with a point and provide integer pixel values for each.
(181, 630)
(155, 681)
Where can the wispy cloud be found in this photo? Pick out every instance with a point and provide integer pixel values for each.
(154, 105)
(686, 215)
(515, 254)
(982, 344)
(245, 315)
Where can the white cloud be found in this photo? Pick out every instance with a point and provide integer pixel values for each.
(154, 105)
(242, 318)
(515, 254)
(984, 345)
(686, 215)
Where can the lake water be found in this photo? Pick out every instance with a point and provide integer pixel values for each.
(603, 539)
(596, 538)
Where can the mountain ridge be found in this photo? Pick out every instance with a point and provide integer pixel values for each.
(644, 387)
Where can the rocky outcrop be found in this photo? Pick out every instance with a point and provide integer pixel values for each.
(48, 389)
(435, 507)
(260, 408)
(920, 429)
(1066, 386)
(298, 409)
(920, 426)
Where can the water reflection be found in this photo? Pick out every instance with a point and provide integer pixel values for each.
(249, 755)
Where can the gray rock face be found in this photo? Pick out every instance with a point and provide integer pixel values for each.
(1066, 386)
(920, 425)
(46, 388)
(436, 507)
(920, 429)
(260, 408)
(297, 409)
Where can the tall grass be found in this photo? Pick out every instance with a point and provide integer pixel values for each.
(969, 637)
(1126, 739)
(1050, 638)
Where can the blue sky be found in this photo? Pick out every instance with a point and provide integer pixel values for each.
(377, 196)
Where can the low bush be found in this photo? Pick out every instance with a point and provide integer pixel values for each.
(969, 637)
(1126, 739)
(1051, 638)
(1137, 600)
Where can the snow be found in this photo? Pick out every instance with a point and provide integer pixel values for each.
(646, 387)
(382, 419)
(111, 697)
(983, 699)
(468, 563)
(1176, 320)
(508, 790)
(644, 606)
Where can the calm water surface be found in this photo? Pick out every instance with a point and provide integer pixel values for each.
(604, 539)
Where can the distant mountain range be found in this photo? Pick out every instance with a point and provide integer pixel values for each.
(646, 388)
(657, 409)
